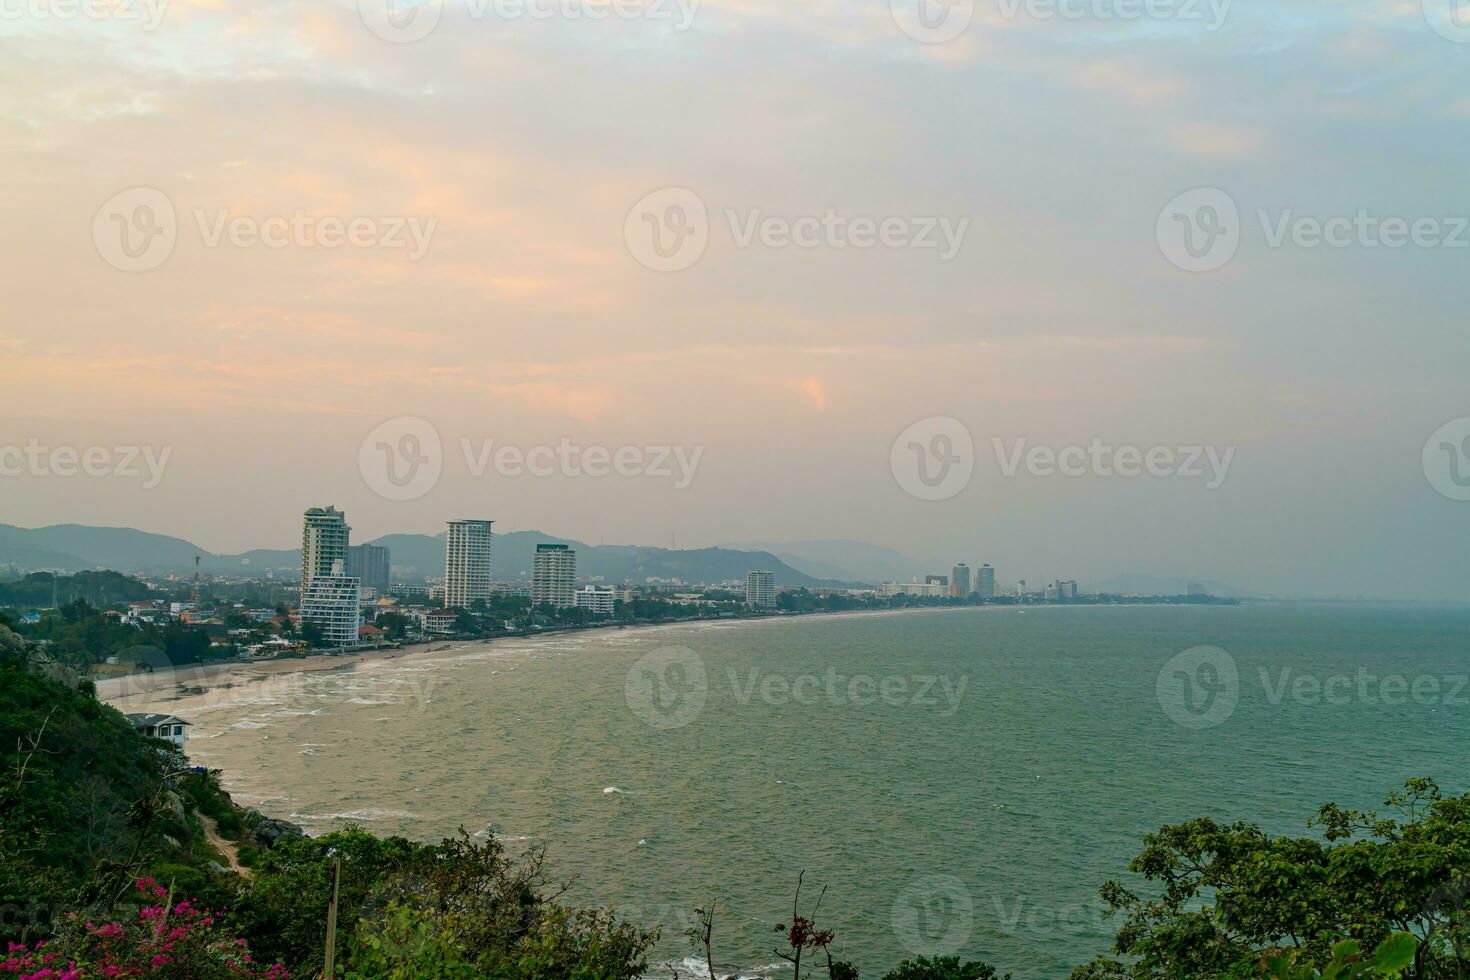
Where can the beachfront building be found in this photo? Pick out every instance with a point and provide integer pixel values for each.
(959, 581)
(330, 602)
(466, 563)
(324, 534)
(554, 575)
(368, 563)
(985, 581)
(169, 727)
(596, 599)
(916, 588)
(760, 590)
(441, 622)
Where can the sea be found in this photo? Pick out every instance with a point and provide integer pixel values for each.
(941, 782)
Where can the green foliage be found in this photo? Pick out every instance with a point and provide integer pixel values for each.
(80, 636)
(943, 968)
(86, 803)
(99, 589)
(1226, 894)
(284, 912)
(1393, 957)
(462, 908)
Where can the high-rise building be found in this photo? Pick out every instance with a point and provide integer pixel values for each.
(959, 581)
(368, 563)
(1062, 591)
(760, 590)
(466, 563)
(323, 543)
(940, 580)
(985, 581)
(554, 575)
(331, 602)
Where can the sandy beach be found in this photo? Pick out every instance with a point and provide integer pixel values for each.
(154, 691)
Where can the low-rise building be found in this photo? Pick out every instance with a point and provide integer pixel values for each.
(596, 600)
(170, 727)
(442, 622)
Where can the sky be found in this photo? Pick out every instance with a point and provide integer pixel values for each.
(838, 269)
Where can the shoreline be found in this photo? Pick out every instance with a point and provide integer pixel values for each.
(134, 692)
(147, 687)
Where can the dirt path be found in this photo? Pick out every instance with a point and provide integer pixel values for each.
(228, 849)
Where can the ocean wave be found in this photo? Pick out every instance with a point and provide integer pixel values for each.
(367, 815)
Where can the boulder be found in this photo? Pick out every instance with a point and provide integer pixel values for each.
(266, 831)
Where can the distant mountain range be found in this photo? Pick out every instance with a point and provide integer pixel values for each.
(78, 547)
(855, 561)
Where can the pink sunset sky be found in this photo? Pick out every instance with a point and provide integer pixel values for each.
(529, 318)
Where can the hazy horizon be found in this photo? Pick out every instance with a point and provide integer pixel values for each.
(873, 241)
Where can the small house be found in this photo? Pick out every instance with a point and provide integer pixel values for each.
(169, 727)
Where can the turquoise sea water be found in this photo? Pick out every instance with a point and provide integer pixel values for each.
(985, 773)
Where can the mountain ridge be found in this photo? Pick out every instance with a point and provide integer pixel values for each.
(81, 547)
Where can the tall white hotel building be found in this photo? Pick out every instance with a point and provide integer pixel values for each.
(466, 563)
(323, 543)
(554, 576)
(329, 598)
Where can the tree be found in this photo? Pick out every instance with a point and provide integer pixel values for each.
(1227, 895)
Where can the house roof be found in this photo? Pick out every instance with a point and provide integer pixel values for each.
(154, 720)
